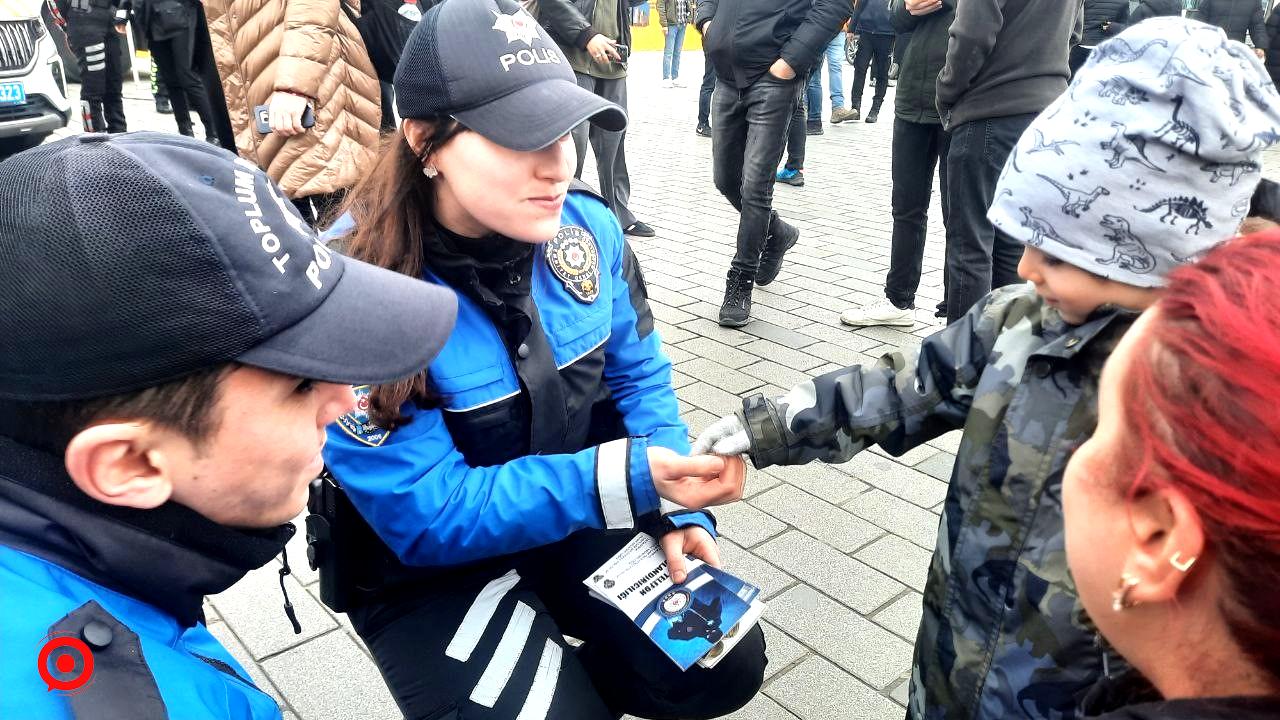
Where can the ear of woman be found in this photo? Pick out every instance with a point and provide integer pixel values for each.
(120, 464)
(1168, 532)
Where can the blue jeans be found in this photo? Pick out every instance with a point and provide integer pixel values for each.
(671, 52)
(835, 78)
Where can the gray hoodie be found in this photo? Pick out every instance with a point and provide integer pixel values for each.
(1006, 57)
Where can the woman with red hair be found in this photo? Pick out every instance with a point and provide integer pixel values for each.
(1173, 507)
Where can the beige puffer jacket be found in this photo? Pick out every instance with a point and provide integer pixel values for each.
(309, 47)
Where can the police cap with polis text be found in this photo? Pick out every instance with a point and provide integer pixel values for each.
(489, 65)
(131, 260)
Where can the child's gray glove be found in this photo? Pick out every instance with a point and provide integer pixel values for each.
(726, 436)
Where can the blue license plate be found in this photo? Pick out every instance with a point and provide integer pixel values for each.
(12, 93)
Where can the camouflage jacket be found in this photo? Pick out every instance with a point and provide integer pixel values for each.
(1003, 634)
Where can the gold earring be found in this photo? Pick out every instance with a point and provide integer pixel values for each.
(1120, 596)
(1182, 565)
(430, 171)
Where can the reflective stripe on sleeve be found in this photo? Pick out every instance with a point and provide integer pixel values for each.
(613, 481)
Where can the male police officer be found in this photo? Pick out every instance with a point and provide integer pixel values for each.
(167, 369)
(93, 38)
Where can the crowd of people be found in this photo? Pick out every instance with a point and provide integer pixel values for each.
(434, 336)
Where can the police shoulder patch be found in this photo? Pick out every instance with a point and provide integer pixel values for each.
(357, 423)
(574, 258)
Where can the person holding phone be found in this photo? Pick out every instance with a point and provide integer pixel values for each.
(595, 36)
(291, 56)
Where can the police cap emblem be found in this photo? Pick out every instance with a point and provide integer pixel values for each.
(357, 423)
(573, 257)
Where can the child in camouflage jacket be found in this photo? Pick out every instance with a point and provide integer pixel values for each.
(1146, 162)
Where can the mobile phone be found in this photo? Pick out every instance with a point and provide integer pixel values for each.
(623, 50)
(263, 120)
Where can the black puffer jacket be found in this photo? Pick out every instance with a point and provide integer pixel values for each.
(1146, 10)
(1236, 17)
(747, 36)
(917, 95)
(1097, 13)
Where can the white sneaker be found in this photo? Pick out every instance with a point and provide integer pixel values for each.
(675, 82)
(881, 313)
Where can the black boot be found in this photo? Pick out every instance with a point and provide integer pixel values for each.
(775, 247)
(163, 106)
(874, 115)
(736, 309)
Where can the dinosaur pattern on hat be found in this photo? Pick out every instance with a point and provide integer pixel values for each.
(1148, 159)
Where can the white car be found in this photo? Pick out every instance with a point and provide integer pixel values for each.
(33, 86)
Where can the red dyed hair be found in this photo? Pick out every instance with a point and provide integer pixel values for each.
(1202, 400)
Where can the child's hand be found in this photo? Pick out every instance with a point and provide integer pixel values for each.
(726, 436)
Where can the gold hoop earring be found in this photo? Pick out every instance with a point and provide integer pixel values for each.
(1120, 596)
(430, 172)
(1182, 565)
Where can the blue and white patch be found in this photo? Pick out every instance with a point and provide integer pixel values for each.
(357, 423)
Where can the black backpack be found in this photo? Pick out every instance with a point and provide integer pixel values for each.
(385, 31)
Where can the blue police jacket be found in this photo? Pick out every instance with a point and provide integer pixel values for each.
(129, 585)
(536, 438)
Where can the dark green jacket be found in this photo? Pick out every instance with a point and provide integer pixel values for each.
(917, 96)
(1003, 633)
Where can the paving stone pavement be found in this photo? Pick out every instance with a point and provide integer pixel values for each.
(840, 551)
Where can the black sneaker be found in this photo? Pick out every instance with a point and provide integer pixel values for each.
(813, 127)
(163, 106)
(874, 115)
(638, 229)
(775, 247)
(703, 130)
(736, 309)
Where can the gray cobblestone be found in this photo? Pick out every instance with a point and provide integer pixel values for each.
(713, 373)
(834, 573)
(745, 524)
(724, 354)
(898, 480)
(899, 559)
(820, 519)
(332, 678)
(254, 608)
(819, 479)
(818, 690)
(903, 616)
(897, 516)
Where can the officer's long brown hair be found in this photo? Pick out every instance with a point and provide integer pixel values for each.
(394, 209)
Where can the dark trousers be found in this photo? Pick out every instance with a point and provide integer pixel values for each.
(175, 58)
(97, 53)
(415, 639)
(875, 50)
(797, 132)
(917, 149)
(749, 130)
(609, 148)
(1079, 56)
(212, 82)
(900, 43)
(704, 92)
(979, 259)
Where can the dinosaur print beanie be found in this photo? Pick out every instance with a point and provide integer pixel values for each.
(1150, 157)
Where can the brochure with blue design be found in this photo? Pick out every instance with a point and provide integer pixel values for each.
(698, 621)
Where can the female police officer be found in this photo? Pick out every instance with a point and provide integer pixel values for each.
(547, 421)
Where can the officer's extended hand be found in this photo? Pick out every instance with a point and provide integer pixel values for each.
(692, 540)
(694, 482)
(725, 436)
(284, 110)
